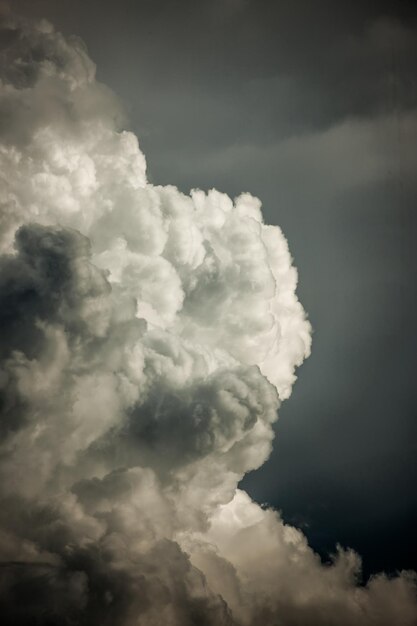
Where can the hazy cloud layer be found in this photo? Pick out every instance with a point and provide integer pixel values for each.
(148, 340)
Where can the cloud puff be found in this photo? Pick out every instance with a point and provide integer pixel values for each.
(148, 340)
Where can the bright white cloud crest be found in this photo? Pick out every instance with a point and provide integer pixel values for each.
(149, 338)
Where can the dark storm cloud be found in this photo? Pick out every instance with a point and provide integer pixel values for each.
(85, 586)
(284, 67)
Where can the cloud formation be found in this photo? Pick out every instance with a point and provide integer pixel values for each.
(148, 340)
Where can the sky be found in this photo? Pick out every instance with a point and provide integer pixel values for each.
(312, 109)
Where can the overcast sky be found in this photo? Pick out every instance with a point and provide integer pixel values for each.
(311, 106)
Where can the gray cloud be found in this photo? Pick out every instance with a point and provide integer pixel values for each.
(220, 93)
(150, 338)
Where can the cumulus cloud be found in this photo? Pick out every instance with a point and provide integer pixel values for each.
(148, 340)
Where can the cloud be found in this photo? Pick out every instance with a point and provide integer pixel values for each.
(148, 340)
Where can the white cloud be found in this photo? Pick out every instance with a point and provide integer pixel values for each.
(148, 339)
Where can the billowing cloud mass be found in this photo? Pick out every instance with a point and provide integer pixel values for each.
(148, 338)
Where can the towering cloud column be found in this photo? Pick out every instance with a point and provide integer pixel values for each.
(148, 338)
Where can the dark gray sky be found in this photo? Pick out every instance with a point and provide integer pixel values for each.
(312, 106)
